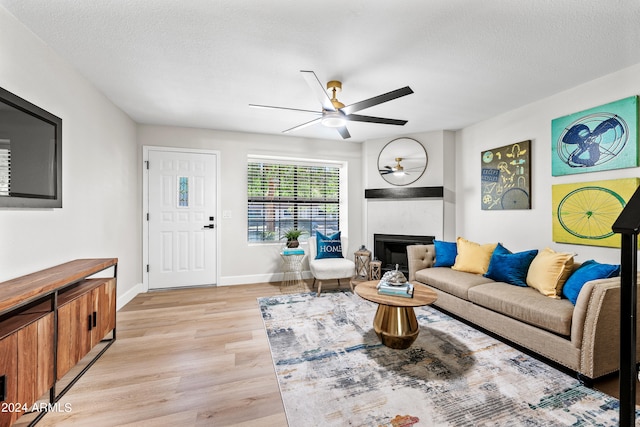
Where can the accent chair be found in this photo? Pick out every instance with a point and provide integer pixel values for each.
(330, 268)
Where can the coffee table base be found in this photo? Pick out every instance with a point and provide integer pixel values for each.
(397, 327)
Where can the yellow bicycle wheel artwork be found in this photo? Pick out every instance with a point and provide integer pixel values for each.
(585, 212)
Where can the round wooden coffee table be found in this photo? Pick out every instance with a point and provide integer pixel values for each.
(395, 321)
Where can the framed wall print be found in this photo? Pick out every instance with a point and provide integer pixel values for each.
(601, 138)
(584, 212)
(506, 177)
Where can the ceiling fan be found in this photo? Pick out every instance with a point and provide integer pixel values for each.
(334, 113)
(399, 169)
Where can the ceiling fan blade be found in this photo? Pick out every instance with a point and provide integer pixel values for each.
(304, 125)
(344, 132)
(376, 100)
(318, 89)
(369, 119)
(271, 107)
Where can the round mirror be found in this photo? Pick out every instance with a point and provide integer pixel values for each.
(402, 161)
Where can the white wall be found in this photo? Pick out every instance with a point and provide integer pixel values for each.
(240, 261)
(102, 215)
(101, 195)
(527, 229)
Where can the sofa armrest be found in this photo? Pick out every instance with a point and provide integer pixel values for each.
(595, 327)
(420, 257)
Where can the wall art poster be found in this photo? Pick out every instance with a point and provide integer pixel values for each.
(505, 181)
(601, 138)
(584, 212)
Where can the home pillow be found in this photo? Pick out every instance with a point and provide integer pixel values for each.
(589, 270)
(445, 253)
(548, 272)
(510, 268)
(328, 246)
(473, 257)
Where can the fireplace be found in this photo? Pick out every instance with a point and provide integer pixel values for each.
(391, 249)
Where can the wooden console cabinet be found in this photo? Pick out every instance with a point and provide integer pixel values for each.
(49, 321)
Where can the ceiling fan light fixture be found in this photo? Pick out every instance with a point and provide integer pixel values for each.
(333, 119)
(398, 169)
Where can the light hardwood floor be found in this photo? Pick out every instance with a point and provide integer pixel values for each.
(188, 357)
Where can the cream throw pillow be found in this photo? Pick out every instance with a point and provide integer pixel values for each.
(548, 272)
(473, 257)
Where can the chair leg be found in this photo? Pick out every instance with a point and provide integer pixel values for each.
(313, 285)
(319, 288)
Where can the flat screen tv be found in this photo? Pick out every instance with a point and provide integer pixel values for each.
(30, 155)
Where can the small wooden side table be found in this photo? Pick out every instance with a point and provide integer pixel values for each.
(362, 260)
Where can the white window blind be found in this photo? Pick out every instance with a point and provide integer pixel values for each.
(5, 167)
(286, 194)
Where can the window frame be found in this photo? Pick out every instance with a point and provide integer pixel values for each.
(296, 161)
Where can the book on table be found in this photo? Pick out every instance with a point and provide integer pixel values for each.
(293, 251)
(405, 290)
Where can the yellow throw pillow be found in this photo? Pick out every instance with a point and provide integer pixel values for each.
(548, 272)
(473, 257)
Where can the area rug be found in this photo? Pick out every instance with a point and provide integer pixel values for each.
(333, 371)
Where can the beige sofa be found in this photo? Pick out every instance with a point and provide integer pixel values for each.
(584, 338)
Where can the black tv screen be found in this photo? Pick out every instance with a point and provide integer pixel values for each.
(30, 155)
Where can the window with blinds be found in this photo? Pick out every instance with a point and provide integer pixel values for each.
(285, 194)
(5, 167)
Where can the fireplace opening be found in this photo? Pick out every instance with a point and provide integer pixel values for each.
(391, 249)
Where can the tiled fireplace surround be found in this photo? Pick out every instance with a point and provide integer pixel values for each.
(403, 216)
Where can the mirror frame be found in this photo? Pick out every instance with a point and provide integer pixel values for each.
(413, 157)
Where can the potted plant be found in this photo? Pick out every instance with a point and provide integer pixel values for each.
(292, 235)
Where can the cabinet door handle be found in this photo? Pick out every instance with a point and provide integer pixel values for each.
(90, 322)
(3, 387)
(95, 319)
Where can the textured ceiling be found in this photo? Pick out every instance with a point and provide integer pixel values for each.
(199, 63)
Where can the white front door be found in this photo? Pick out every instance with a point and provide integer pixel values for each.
(182, 230)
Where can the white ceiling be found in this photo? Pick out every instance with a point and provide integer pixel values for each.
(199, 63)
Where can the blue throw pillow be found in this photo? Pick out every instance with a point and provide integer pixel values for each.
(446, 253)
(589, 270)
(328, 246)
(511, 268)
(499, 250)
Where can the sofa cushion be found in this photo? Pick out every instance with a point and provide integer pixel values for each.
(548, 272)
(499, 250)
(445, 253)
(589, 270)
(451, 281)
(510, 268)
(473, 257)
(525, 304)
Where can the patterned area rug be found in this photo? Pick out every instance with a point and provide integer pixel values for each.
(333, 371)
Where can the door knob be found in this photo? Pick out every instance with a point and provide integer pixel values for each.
(209, 226)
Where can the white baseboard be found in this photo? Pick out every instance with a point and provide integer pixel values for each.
(256, 278)
(129, 295)
(224, 281)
